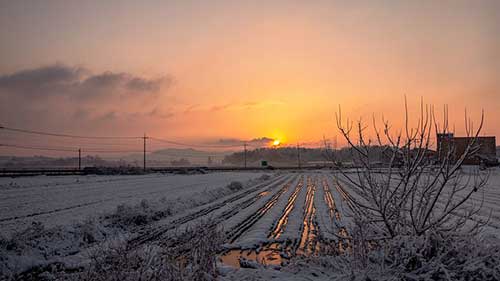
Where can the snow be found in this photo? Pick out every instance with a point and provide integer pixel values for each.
(295, 219)
(258, 233)
(248, 216)
(224, 209)
(66, 199)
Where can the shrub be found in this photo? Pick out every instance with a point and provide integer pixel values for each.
(235, 186)
(189, 256)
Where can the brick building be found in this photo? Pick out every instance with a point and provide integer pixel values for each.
(485, 155)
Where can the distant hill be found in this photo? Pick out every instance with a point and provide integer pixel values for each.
(178, 156)
(289, 156)
(164, 157)
(193, 156)
(15, 162)
(283, 156)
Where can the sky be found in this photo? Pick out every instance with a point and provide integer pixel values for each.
(229, 71)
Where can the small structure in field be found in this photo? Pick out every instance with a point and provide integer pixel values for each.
(485, 154)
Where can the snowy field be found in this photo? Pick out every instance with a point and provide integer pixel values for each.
(64, 199)
(266, 221)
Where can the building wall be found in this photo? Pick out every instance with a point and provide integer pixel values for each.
(486, 152)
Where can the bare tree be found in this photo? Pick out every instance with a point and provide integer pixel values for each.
(414, 189)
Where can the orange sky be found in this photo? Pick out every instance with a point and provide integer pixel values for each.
(229, 69)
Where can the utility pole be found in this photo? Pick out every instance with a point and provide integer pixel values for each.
(245, 148)
(79, 159)
(144, 138)
(298, 155)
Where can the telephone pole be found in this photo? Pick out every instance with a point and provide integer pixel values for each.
(79, 159)
(144, 138)
(298, 155)
(245, 148)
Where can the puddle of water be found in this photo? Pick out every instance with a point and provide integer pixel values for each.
(308, 245)
(247, 223)
(343, 244)
(332, 208)
(263, 193)
(271, 254)
(283, 220)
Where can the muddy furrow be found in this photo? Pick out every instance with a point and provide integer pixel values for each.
(308, 237)
(225, 215)
(239, 229)
(158, 232)
(283, 220)
(333, 212)
(345, 196)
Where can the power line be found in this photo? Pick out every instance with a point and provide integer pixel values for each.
(67, 149)
(194, 145)
(38, 148)
(43, 133)
(111, 151)
(83, 150)
(64, 135)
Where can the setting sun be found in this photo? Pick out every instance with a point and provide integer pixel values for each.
(276, 142)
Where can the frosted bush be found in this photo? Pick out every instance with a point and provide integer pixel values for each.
(235, 186)
(190, 256)
(137, 215)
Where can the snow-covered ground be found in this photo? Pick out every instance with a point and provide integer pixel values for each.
(266, 221)
(64, 199)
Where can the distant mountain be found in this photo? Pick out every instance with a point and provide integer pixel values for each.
(177, 156)
(283, 156)
(164, 157)
(290, 156)
(38, 162)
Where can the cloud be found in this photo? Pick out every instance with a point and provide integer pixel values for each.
(191, 108)
(262, 141)
(77, 82)
(108, 116)
(220, 107)
(156, 112)
(250, 105)
(145, 85)
(41, 81)
(62, 97)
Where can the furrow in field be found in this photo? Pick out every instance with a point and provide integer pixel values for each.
(342, 214)
(225, 216)
(280, 225)
(65, 202)
(308, 238)
(330, 202)
(259, 233)
(325, 211)
(244, 225)
(294, 223)
(231, 204)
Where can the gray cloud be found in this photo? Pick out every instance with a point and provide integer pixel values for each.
(64, 97)
(108, 116)
(145, 85)
(156, 112)
(250, 105)
(220, 107)
(47, 80)
(76, 82)
(262, 141)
